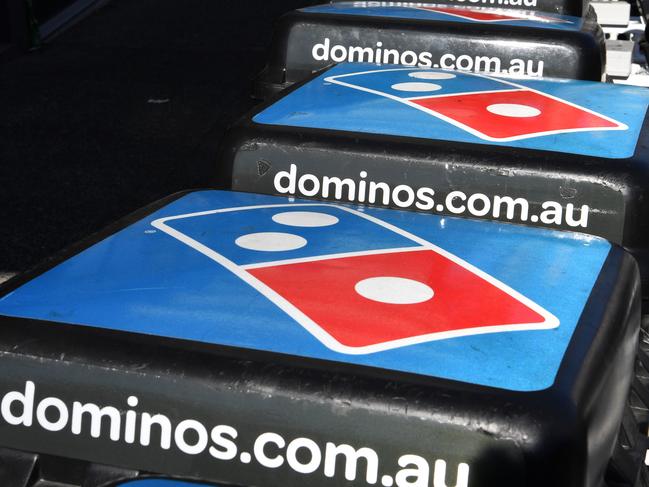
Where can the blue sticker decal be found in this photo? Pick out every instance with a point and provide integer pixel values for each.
(397, 290)
(578, 117)
(449, 13)
(160, 483)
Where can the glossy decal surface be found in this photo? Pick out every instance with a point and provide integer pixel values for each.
(448, 13)
(472, 301)
(578, 117)
(390, 290)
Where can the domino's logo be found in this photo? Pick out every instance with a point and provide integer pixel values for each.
(491, 109)
(569, 116)
(357, 283)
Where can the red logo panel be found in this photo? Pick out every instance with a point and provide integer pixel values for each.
(446, 299)
(516, 114)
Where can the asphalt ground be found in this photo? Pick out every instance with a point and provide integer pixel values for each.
(125, 107)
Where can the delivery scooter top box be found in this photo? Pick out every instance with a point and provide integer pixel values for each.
(476, 39)
(251, 339)
(562, 154)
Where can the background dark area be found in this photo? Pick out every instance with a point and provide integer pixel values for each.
(4, 23)
(44, 9)
(123, 108)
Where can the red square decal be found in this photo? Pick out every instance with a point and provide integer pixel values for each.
(513, 114)
(379, 301)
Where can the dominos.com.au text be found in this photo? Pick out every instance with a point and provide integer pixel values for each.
(325, 51)
(269, 450)
(455, 202)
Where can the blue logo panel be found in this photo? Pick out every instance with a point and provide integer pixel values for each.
(355, 234)
(189, 271)
(577, 117)
(446, 13)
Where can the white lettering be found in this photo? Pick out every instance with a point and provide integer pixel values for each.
(485, 202)
(464, 63)
(363, 54)
(26, 402)
(410, 196)
(351, 458)
(338, 54)
(443, 61)
(412, 477)
(487, 64)
(385, 191)
(261, 442)
(96, 415)
(290, 175)
(510, 204)
(409, 58)
(302, 185)
(314, 453)
(553, 213)
(583, 216)
(165, 430)
(181, 442)
(320, 52)
(450, 202)
(425, 197)
(439, 477)
(222, 437)
(338, 186)
(131, 420)
(61, 409)
(425, 60)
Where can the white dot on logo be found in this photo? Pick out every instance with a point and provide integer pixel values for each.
(513, 110)
(270, 241)
(418, 86)
(431, 75)
(394, 290)
(305, 219)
